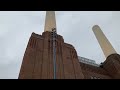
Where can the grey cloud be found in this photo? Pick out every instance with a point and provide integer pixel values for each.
(75, 27)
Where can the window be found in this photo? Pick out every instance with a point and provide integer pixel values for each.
(99, 78)
(94, 77)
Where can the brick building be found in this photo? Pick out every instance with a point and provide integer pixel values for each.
(38, 60)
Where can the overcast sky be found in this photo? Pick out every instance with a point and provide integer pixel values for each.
(75, 27)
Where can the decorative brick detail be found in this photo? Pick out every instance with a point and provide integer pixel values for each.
(112, 65)
(38, 59)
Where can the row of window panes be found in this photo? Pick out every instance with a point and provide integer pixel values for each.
(87, 60)
(93, 77)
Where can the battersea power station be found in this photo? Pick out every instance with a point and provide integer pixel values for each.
(47, 56)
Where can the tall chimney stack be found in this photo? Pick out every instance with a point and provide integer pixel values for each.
(103, 41)
(50, 21)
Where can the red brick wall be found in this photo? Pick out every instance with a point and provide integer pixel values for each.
(110, 68)
(93, 71)
(38, 62)
(112, 65)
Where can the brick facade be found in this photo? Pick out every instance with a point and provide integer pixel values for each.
(38, 61)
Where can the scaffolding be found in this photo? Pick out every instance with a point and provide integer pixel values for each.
(54, 34)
